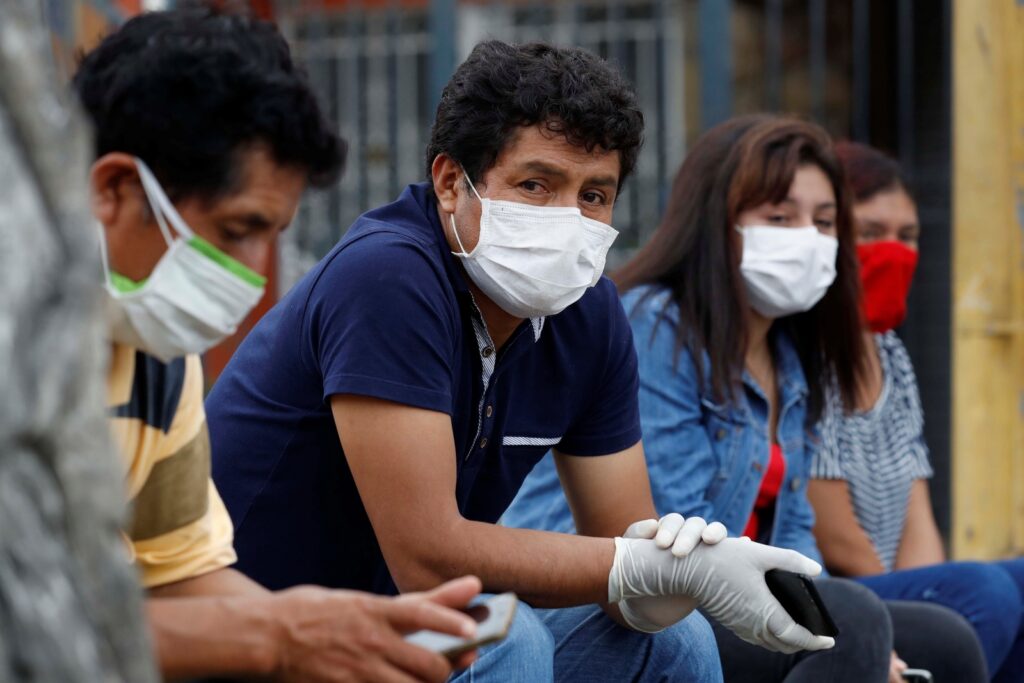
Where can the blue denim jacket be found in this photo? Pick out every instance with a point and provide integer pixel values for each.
(705, 457)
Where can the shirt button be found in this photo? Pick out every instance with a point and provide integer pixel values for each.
(489, 411)
(483, 442)
(795, 484)
(487, 352)
(758, 467)
(720, 434)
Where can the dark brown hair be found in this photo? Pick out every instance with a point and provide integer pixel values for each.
(870, 171)
(738, 165)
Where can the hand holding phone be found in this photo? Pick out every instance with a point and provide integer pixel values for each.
(800, 598)
(493, 617)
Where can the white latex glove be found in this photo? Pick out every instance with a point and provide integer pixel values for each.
(653, 614)
(681, 535)
(726, 579)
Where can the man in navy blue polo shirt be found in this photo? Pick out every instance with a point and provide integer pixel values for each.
(372, 429)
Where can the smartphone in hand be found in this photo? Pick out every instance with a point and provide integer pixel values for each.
(917, 676)
(798, 595)
(493, 617)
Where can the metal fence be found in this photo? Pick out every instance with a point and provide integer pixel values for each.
(871, 70)
(379, 66)
(375, 68)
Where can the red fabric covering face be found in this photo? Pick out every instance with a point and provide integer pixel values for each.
(886, 269)
(769, 490)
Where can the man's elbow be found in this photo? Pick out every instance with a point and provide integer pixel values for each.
(425, 563)
(411, 577)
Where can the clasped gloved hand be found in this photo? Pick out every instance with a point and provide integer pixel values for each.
(680, 536)
(724, 576)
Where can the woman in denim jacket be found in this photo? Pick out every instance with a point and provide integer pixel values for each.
(753, 273)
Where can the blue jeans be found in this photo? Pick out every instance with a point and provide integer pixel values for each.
(583, 644)
(1012, 669)
(987, 595)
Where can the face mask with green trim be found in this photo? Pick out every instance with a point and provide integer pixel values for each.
(195, 297)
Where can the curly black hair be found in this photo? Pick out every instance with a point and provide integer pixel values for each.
(502, 87)
(189, 89)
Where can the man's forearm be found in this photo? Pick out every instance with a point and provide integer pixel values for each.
(544, 568)
(222, 582)
(212, 636)
(212, 624)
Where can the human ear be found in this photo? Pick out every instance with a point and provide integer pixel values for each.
(446, 172)
(117, 198)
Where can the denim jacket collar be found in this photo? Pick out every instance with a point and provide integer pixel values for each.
(788, 371)
(789, 374)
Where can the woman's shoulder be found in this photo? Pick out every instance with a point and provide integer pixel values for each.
(895, 358)
(647, 304)
(654, 317)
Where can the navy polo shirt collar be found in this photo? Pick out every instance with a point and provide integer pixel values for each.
(423, 194)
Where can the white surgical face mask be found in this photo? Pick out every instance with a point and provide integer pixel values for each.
(535, 261)
(787, 270)
(195, 297)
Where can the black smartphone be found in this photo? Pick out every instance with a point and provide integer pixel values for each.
(917, 676)
(493, 617)
(798, 596)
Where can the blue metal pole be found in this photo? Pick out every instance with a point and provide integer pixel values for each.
(441, 25)
(716, 69)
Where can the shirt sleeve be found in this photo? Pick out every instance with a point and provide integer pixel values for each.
(611, 421)
(180, 528)
(680, 458)
(381, 322)
(909, 399)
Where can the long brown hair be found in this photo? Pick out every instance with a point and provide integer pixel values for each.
(693, 254)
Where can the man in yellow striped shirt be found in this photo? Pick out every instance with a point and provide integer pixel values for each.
(207, 136)
(179, 527)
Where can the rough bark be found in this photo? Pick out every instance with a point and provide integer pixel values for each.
(69, 598)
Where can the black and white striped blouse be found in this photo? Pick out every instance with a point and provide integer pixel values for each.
(879, 452)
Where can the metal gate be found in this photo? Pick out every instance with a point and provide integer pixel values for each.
(374, 67)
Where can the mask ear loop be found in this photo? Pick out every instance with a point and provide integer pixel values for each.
(103, 255)
(162, 207)
(471, 185)
(451, 216)
(462, 250)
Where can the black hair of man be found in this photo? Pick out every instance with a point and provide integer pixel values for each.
(188, 89)
(502, 87)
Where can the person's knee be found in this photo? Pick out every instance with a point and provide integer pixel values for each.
(526, 653)
(851, 601)
(934, 637)
(861, 616)
(688, 649)
(989, 598)
(529, 637)
(982, 585)
(591, 646)
(986, 595)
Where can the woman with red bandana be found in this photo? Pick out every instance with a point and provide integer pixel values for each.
(870, 490)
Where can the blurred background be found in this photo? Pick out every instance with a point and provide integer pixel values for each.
(939, 84)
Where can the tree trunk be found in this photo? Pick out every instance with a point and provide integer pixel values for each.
(69, 597)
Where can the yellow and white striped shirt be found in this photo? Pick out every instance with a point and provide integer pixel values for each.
(179, 526)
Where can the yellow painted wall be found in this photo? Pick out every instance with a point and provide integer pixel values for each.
(988, 278)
